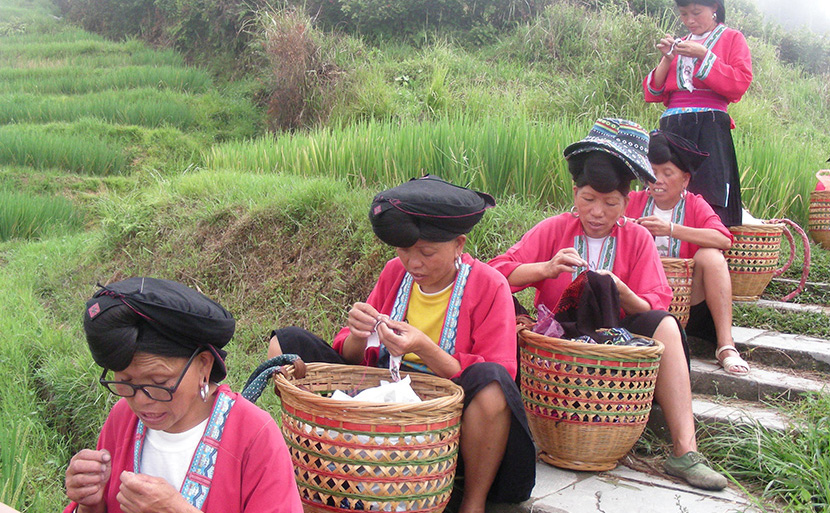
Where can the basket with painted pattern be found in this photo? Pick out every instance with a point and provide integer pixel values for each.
(370, 456)
(819, 218)
(586, 404)
(679, 273)
(753, 258)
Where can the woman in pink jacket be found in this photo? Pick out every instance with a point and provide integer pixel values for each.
(697, 77)
(441, 311)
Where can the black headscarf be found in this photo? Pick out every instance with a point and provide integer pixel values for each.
(155, 316)
(602, 171)
(426, 208)
(683, 153)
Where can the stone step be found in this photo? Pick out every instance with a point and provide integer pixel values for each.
(773, 349)
(762, 383)
(713, 415)
(631, 487)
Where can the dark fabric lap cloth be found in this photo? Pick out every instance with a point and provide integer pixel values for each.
(517, 474)
(712, 133)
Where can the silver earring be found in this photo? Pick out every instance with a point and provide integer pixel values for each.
(458, 263)
(715, 16)
(621, 221)
(204, 390)
(574, 212)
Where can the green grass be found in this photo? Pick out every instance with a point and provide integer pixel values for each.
(74, 153)
(81, 80)
(790, 467)
(24, 216)
(505, 157)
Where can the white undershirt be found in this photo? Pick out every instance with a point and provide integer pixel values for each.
(663, 241)
(168, 455)
(594, 251)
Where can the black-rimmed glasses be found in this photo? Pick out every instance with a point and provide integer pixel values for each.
(154, 392)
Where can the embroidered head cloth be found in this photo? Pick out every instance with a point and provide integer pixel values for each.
(683, 153)
(155, 316)
(426, 208)
(621, 138)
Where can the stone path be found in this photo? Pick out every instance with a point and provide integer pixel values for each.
(783, 366)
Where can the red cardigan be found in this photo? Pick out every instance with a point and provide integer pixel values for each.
(253, 473)
(698, 215)
(486, 330)
(722, 77)
(636, 263)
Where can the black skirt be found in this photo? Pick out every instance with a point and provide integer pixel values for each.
(718, 178)
(517, 473)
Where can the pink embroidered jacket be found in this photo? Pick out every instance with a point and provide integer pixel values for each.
(486, 330)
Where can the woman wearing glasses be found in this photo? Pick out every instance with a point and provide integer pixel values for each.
(177, 441)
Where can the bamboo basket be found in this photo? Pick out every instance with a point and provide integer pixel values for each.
(586, 404)
(679, 273)
(753, 259)
(352, 455)
(819, 218)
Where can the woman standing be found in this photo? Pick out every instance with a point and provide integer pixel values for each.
(698, 76)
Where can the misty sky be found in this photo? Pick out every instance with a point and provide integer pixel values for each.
(792, 14)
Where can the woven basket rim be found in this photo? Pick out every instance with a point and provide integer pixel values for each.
(597, 350)
(766, 227)
(452, 401)
(825, 193)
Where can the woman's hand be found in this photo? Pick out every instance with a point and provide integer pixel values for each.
(401, 338)
(140, 493)
(630, 302)
(566, 260)
(666, 46)
(690, 49)
(362, 320)
(656, 226)
(87, 475)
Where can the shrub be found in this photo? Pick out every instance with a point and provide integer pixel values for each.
(301, 78)
(406, 17)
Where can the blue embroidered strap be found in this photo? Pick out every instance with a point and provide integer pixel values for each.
(258, 379)
(678, 216)
(607, 254)
(196, 485)
(450, 329)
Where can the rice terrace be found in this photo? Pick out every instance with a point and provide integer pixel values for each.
(235, 147)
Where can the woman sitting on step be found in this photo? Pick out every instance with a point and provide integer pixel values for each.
(596, 236)
(685, 226)
(439, 310)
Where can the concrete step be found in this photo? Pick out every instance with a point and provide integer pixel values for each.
(762, 383)
(714, 414)
(773, 349)
(631, 487)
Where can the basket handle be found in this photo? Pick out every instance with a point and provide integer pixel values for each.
(256, 382)
(805, 268)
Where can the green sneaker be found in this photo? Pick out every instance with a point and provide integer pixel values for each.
(692, 468)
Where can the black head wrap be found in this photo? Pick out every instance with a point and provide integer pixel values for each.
(427, 208)
(602, 171)
(155, 316)
(668, 147)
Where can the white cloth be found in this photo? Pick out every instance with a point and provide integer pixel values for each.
(595, 246)
(663, 242)
(687, 64)
(168, 455)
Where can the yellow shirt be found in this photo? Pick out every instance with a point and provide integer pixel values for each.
(427, 312)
